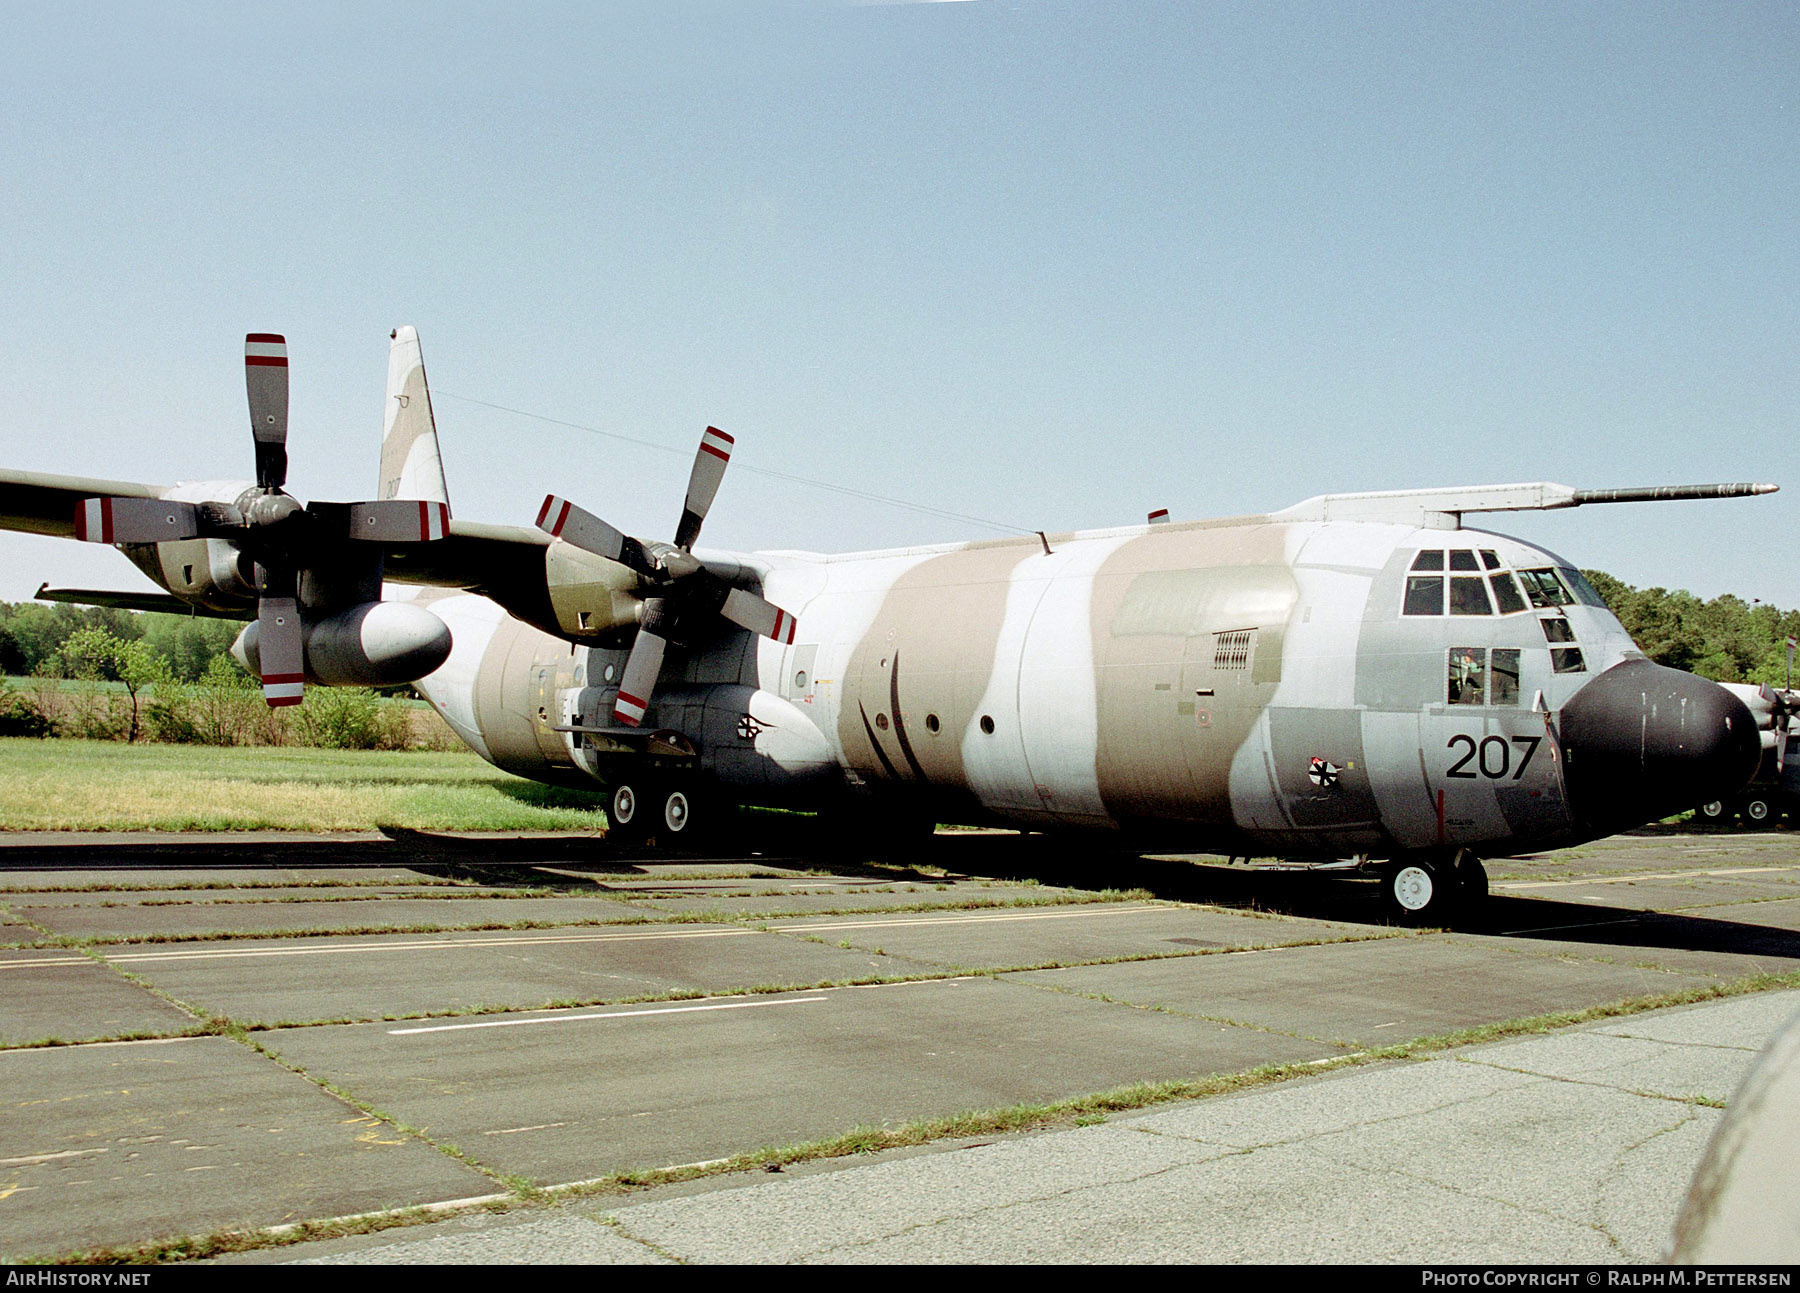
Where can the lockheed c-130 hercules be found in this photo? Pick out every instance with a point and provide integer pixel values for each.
(1354, 677)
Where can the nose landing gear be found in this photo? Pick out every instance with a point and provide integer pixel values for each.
(1434, 891)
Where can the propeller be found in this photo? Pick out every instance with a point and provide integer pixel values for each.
(685, 596)
(282, 537)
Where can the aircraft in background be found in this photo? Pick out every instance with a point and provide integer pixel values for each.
(1355, 677)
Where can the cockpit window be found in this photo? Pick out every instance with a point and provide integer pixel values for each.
(1498, 594)
(1468, 676)
(1468, 595)
(1503, 681)
(1506, 593)
(1556, 629)
(1424, 595)
(1544, 588)
(1480, 677)
(1584, 591)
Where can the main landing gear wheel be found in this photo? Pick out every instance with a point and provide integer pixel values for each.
(629, 813)
(1713, 813)
(1759, 812)
(683, 818)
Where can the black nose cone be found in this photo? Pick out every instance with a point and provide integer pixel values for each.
(1643, 741)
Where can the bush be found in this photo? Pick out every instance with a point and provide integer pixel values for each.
(351, 718)
(22, 715)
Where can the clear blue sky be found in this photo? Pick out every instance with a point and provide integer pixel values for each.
(1050, 264)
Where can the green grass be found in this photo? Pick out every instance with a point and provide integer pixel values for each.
(109, 786)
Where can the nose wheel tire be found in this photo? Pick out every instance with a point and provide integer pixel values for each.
(1434, 893)
(1414, 891)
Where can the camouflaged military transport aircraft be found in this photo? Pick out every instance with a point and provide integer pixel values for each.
(1355, 678)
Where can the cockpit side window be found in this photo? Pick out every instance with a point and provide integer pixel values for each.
(1544, 588)
(1584, 591)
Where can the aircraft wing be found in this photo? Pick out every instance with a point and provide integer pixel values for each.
(504, 563)
(39, 503)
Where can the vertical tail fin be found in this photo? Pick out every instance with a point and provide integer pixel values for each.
(410, 466)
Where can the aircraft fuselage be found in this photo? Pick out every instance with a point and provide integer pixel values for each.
(1308, 689)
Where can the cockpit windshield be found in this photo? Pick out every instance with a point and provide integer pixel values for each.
(1438, 585)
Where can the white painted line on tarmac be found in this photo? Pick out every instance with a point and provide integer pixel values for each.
(230, 953)
(29, 1159)
(961, 918)
(1642, 875)
(611, 1014)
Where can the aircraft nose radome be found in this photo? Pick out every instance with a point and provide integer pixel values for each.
(1643, 741)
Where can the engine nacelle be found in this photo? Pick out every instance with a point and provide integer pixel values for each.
(595, 599)
(376, 644)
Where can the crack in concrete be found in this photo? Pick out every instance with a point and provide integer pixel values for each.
(1574, 1081)
(612, 1222)
(994, 1209)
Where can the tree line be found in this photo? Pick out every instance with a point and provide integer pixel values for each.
(106, 674)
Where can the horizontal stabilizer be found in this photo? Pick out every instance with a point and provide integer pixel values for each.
(160, 602)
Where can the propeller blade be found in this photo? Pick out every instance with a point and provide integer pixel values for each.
(281, 651)
(749, 611)
(642, 667)
(703, 484)
(399, 520)
(134, 520)
(563, 520)
(266, 382)
(1160, 516)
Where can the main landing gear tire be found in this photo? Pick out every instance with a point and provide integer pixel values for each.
(1713, 814)
(630, 813)
(1759, 812)
(685, 817)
